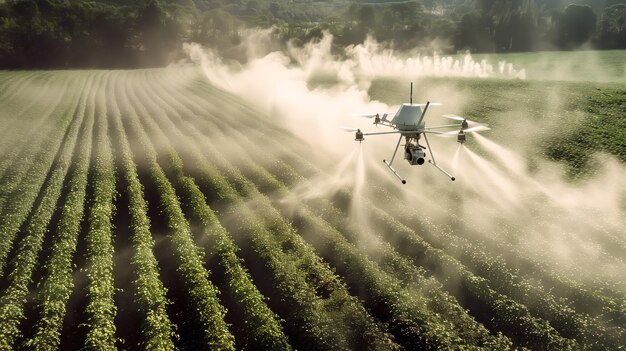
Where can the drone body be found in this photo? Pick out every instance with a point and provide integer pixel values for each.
(409, 122)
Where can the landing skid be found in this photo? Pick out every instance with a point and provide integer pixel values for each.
(392, 158)
(394, 171)
(431, 161)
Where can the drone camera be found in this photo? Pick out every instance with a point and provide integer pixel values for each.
(461, 137)
(415, 156)
(359, 136)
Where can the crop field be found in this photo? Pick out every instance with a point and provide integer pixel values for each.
(154, 209)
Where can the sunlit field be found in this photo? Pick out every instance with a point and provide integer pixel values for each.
(596, 66)
(213, 206)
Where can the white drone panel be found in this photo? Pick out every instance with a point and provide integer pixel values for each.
(408, 115)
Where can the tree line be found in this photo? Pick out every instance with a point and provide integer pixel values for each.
(524, 25)
(48, 33)
(122, 34)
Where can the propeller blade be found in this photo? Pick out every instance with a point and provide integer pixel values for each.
(459, 118)
(347, 129)
(479, 128)
(364, 115)
(381, 115)
(454, 117)
(431, 104)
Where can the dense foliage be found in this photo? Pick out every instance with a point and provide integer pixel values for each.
(58, 33)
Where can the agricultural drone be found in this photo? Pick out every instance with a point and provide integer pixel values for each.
(409, 122)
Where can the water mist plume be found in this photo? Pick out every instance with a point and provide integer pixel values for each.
(496, 194)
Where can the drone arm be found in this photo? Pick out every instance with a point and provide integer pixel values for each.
(379, 133)
(442, 127)
(433, 162)
(436, 132)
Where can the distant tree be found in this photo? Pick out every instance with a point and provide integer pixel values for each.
(442, 27)
(6, 45)
(252, 8)
(361, 19)
(611, 3)
(525, 24)
(576, 26)
(514, 24)
(406, 14)
(103, 36)
(35, 38)
(150, 23)
(159, 33)
(613, 28)
(366, 16)
(485, 6)
(274, 8)
(216, 28)
(472, 33)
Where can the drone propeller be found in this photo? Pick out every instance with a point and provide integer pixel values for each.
(347, 129)
(465, 122)
(454, 117)
(479, 128)
(364, 116)
(383, 115)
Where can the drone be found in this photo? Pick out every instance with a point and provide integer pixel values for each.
(409, 122)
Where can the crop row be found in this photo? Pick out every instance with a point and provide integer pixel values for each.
(507, 323)
(257, 266)
(565, 319)
(316, 329)
(289, 277)
(12, 298)
(227, 99)
(589, 331)
(11, 86)
(263, 329)
(388, 259)
(441, 305)
(16, 138)
(57, 284)
(23, 181)
(203, 295)
(534, 335)
(100, 309)
(149, 292)
(246, 162)
(362, 265)
(26, 119)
